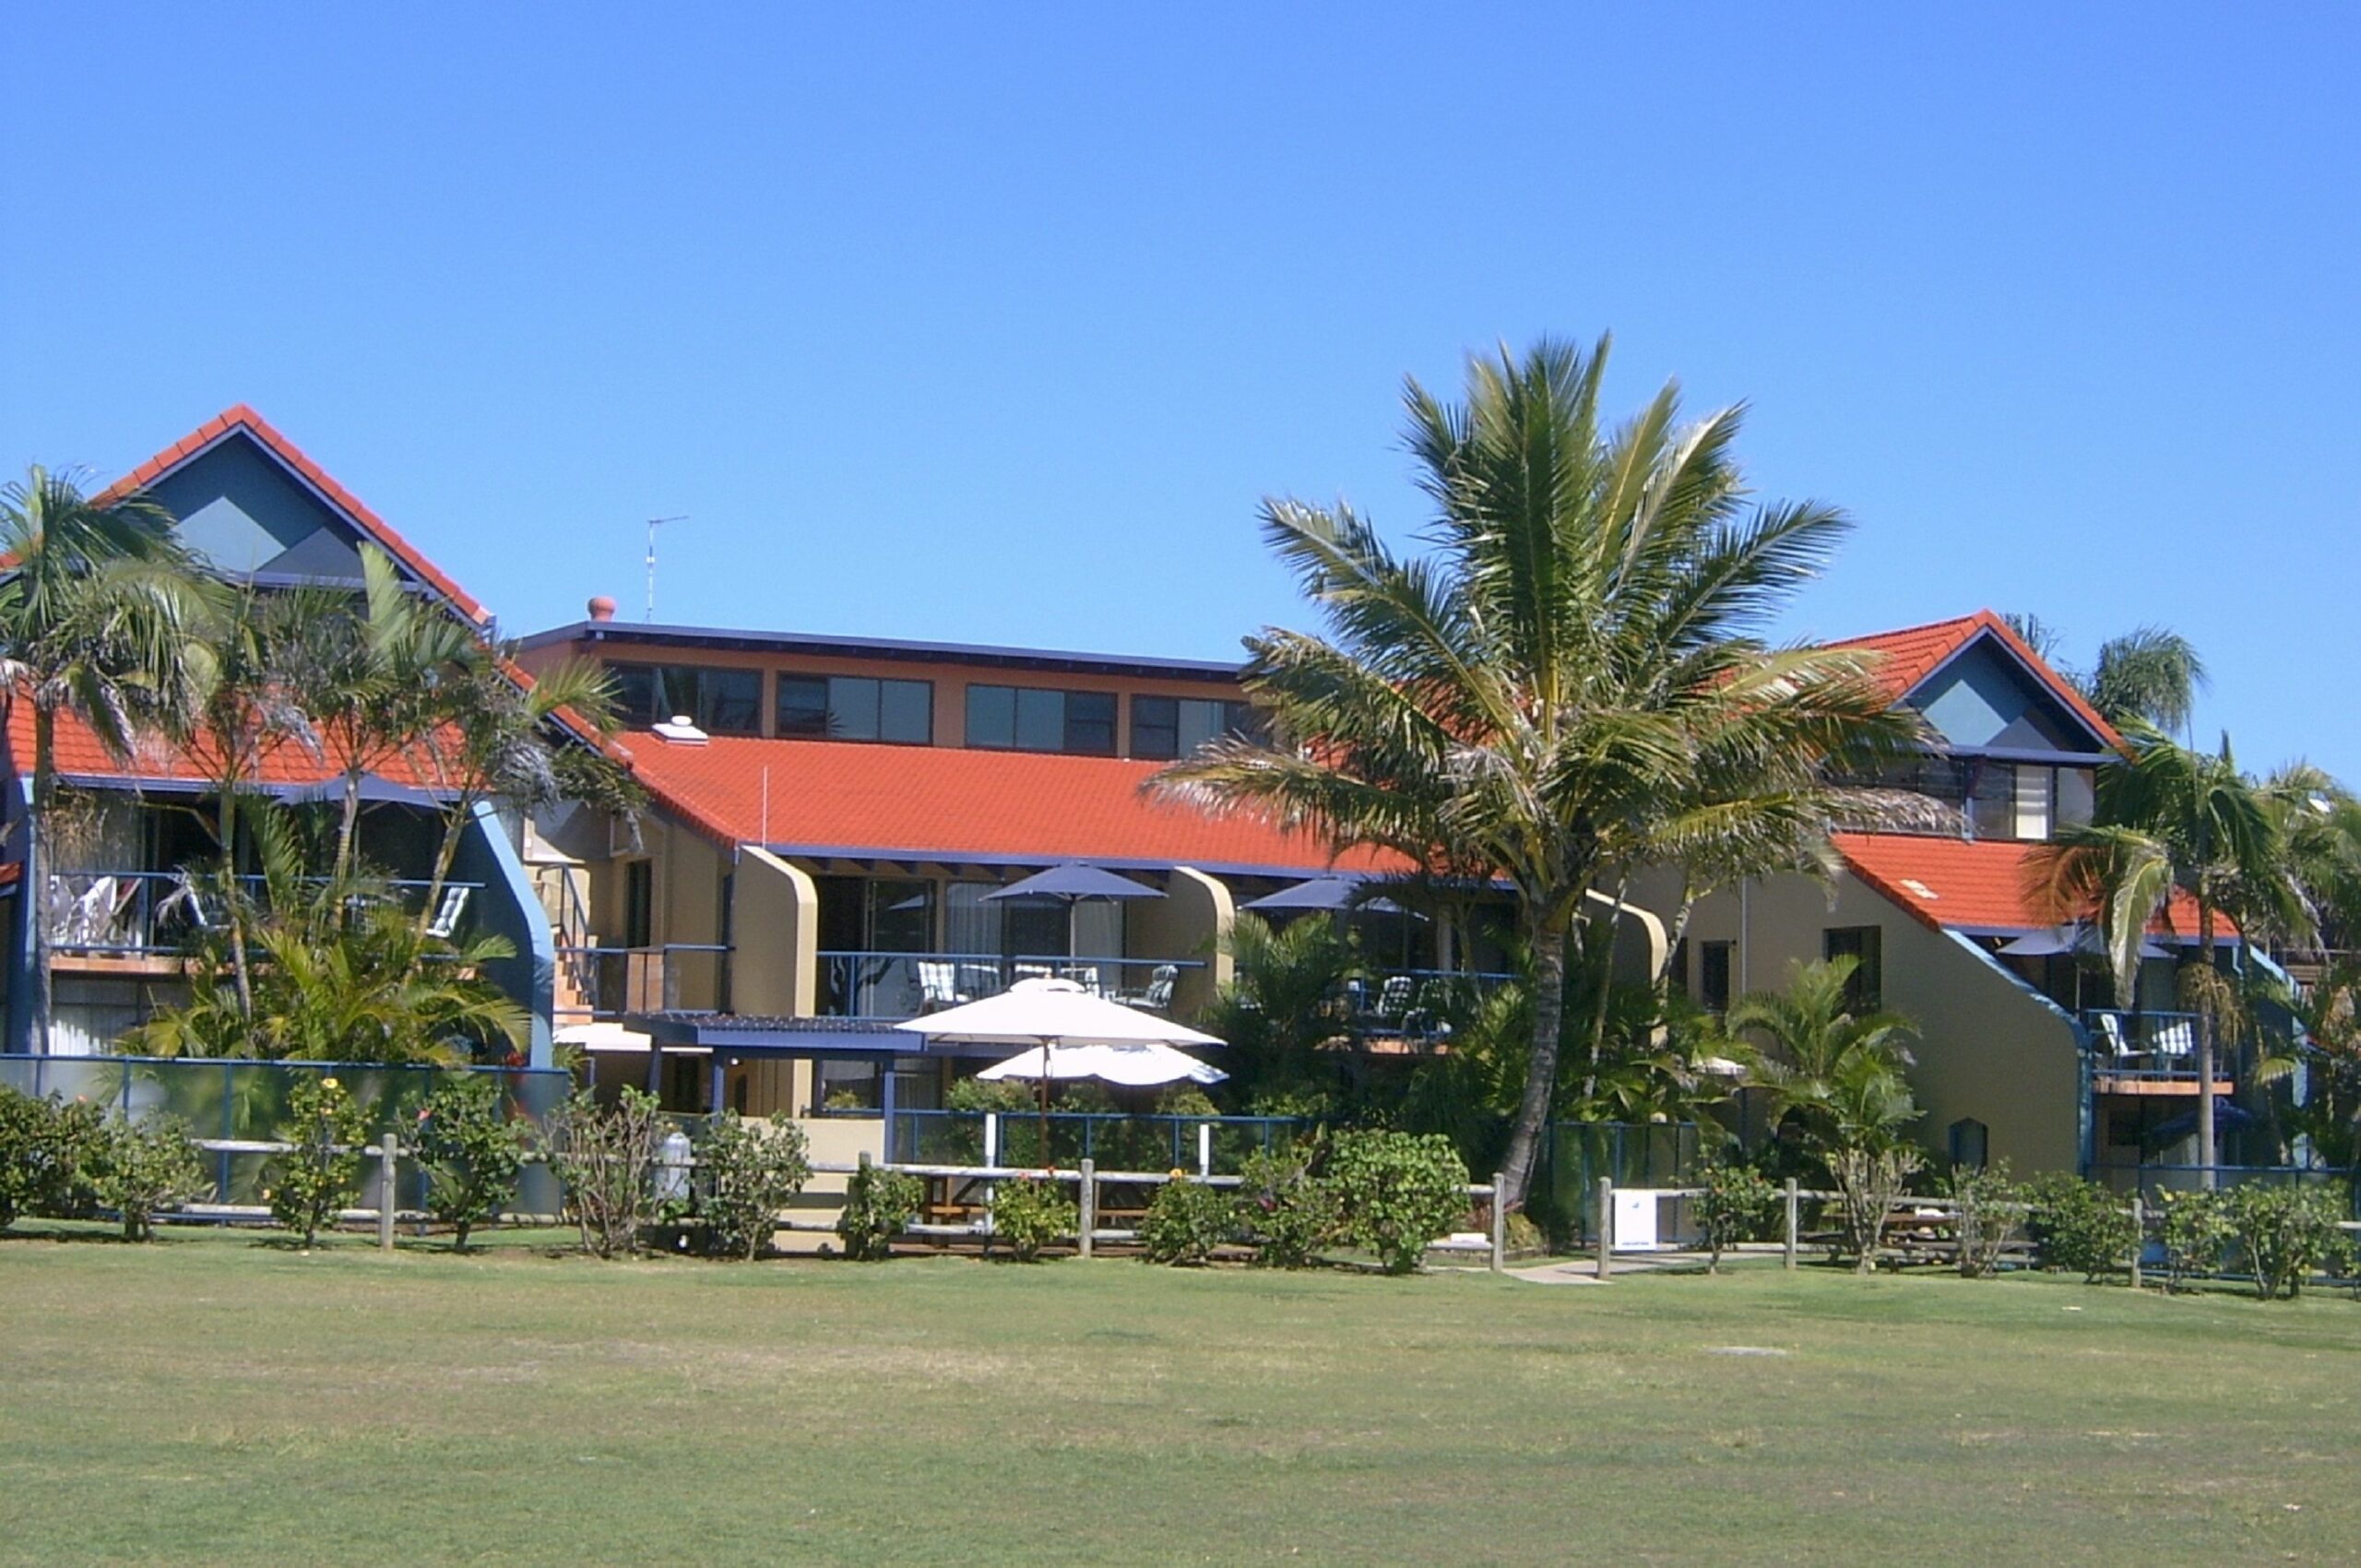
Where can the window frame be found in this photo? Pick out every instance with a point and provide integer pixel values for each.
(1067, 724)
(830, 708)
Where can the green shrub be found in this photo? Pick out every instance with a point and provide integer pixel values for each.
(2195, 1231)
(1987, 1218)
(963, 1138)
(879, 1203)
(1186, 1221)
(1030, 1213)
(1185, 1099)
(319, 1176)
(748, 1170)
(2284, 1234)
(471, 1151)
(1397, 1192)
(1290, 1212)
(1732, 1205)
(2080, 1226)
(604, 1160)
(141, 1170)
(46, 1146)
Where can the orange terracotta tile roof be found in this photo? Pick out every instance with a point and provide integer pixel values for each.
(1973, 885)
(944, 802)
(376, 528)
(80, 755)
(1913, 653)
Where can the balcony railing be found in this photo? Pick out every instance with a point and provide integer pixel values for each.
(141, 913)
(2160, 1046)
(1415, 1003)
(678, 977)
(856, 984)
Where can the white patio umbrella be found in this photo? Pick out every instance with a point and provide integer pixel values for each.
(1054, 1017)
(1139, 1065)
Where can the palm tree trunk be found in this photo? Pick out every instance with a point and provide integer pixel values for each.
(1546, 942)
(234, 904)
(347, 827)
(36, 886)
(1598, 968)
(2205, 1046)
(463, 811)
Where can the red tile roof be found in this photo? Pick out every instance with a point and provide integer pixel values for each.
(80, 755)
(375, 527)
(943, 803)
(1913, 653)
(1971, 884)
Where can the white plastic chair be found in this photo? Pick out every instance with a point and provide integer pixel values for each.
(446, 916)
(939, 983)
(2176, 1039)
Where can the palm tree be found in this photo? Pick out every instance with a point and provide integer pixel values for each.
(1838, 1071)
(98, 616)
(2151, 673)
(1568, 689)
(2170, 818)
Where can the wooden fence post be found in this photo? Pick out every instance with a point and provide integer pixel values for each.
(1793, 1214)
(1089, 1205)
(2138, 1234)
(1500, 1221)
(389, 1157)
(1606, 1221)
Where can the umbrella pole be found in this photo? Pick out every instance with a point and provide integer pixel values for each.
(1044, 1125)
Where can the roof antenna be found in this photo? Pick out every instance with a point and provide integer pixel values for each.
(653, 524)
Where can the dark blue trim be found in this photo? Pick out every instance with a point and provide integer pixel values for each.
(625, 632)
(1984, 635)
(976, 858)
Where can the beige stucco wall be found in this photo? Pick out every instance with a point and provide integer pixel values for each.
(775, 922)
(1987, 1048)
(1190, 922)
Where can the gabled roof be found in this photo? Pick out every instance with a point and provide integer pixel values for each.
(82, 758)
(241, 418)
(1971, 884)
(818, 798)
(1914, 653)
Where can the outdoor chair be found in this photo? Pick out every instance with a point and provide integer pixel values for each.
(979, 980)
(1085, 976)
(2176, 1039)
(1393, 998)
(939, 984)
(1158, 994)
(2111, 1032)
(86, 918)
(446, 916)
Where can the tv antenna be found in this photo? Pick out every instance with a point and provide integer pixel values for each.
(653, 524)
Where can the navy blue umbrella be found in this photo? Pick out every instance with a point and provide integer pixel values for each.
(1330, 892)
(2226, 1117)
(2053, 940)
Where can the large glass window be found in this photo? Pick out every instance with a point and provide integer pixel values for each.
(1165, 727)
(857, 708)
(1992, 802)
(1030, 718)
(1714, 976)
(2077, 797)
(718, 701)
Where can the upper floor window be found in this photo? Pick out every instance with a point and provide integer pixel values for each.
(718, 701)
(1165, 727)
(1865, 993)
(1028, 719)
(1714, 976)
(857, 708)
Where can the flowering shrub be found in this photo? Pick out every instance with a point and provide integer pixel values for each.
(471, 1151)
(1186, 1221)
(1731, 1206)
(2284, 1234)
(1289, 1212)
(1028, 1213)
(749, 1170)
(878, 1205)
(317, 1177)
(1398, 1192)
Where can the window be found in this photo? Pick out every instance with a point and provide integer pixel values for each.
(2033, 802)
(1969, 1141)
(1714, 976)
(2077, 795)
(1865, 991)
(1992, 802)
(639, 903)
(720, 702)
(857, 708)
(1165, 727)
(1029, 718)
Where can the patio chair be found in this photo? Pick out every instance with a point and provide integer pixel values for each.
(979, 980)
(184, 899)
(1085, 976)
(82, 920)
(1393, 997)
(939, 984)
(2176, 1039)
(1157, 996)
(2111, 1033)
(446, 916)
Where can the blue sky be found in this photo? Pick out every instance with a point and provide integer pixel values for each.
(993, 324)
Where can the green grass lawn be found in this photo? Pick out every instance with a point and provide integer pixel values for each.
(212, 1398)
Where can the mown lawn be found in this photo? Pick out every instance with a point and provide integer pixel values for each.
(210, 1398)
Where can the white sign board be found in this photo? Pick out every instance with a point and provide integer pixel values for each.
(1635, 1220)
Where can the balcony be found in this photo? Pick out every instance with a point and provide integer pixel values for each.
(904, 985)
(612, 983)
(2147, 1052)
(137, 919)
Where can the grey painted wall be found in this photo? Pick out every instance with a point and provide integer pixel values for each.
(244, 512)
(507, 907)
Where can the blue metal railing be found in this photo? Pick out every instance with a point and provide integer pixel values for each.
(864, 984)
(133, 913)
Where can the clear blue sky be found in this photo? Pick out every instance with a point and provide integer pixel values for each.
(993, 323)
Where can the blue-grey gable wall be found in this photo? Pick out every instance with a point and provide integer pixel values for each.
(243, 511)
(1982, 698)
(508, 906)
